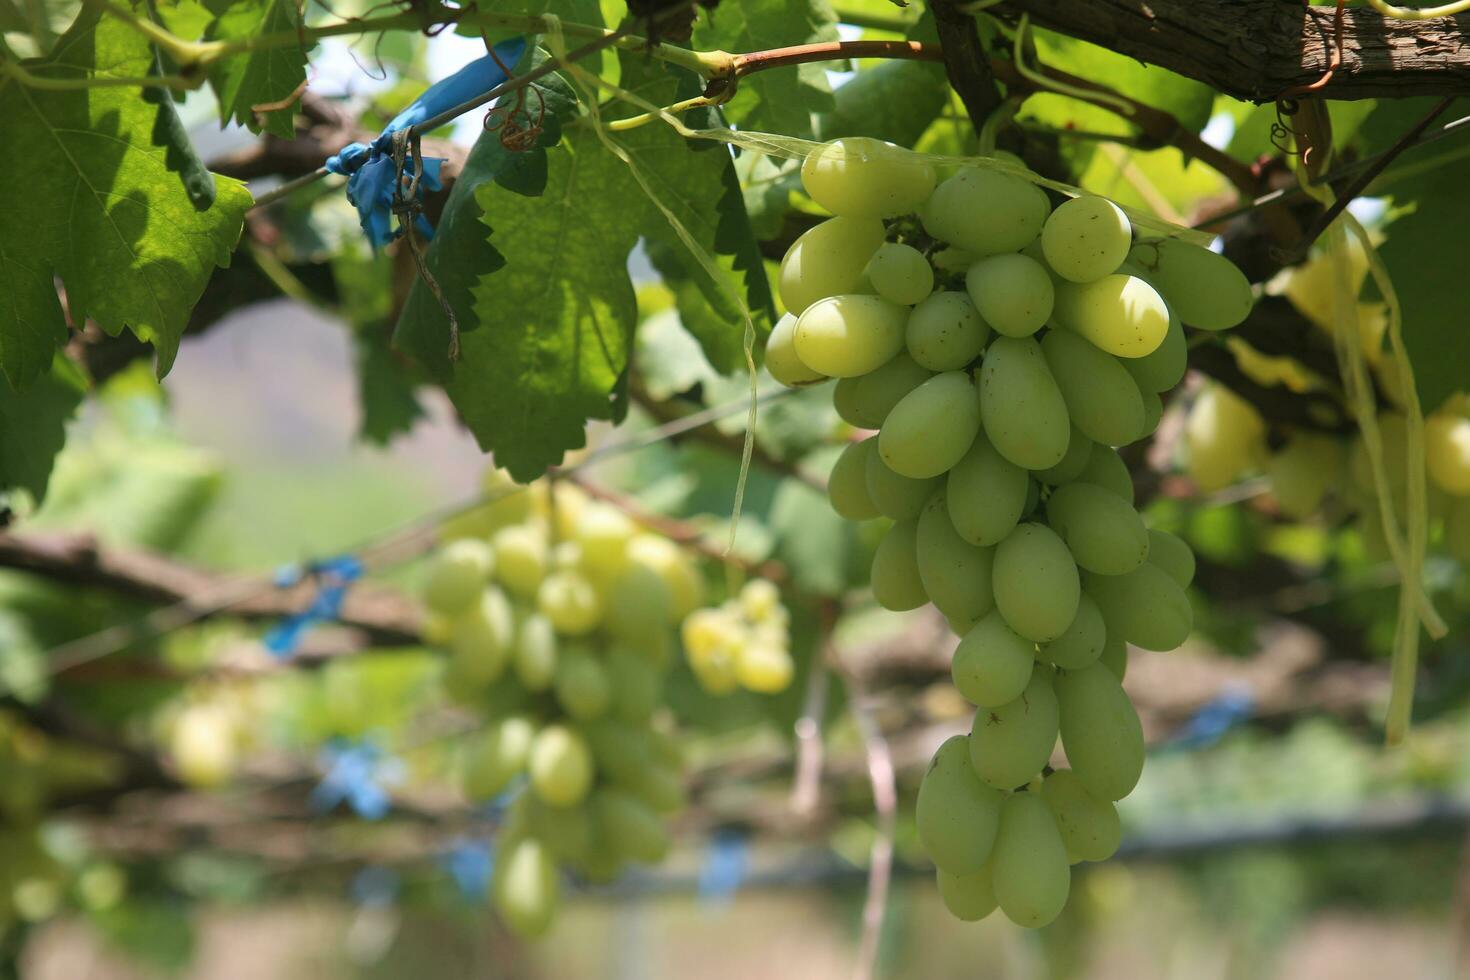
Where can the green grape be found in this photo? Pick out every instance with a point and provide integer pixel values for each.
(1079, 451)
(945, 332)
(897, 497)
(1013, 293)
(570, 601)
(956, 814)
(581, 684)
(1010, 744)
(764, 668)
(534, 658)
(1031, 872)
(566, 831)
(844, 336)
(560, 766)
(1146, 607)
(520, 558)
(866, 178)
(847, 486)
(1033, 498)
(1305, 469)
(992, 664)
(1115, 656)
(781, 359)
(1120, 314)
(659, 786)
(457, 573)
(637, 686)
(986, 494)
(953, 259)
(760, 600)
(481, 638)
(828, 260)
(1083, 642)
(900, 273)
(1100, 731)
(1153, 410)
(1203, 287)
(204, 746)
(895, 578)
(496, 756)
(1102, 398)
(955, 574)
(1447, 450)
(1089, 826)
(1225, 437)
(620, 750)
(968, 898)
(985, 211)
(1086, 238)
(1102, 530)
(638, 605)
(602, 533)
(932, 428)
(526, 889)
(1164, 366)
(1172, 555)
(629, 826)
(1106, 469)
(1036, 584)
(681, 576)
(1021, 407)
(866, 400)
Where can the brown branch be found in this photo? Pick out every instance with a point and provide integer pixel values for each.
(384, 616)
(965, 61)
(1258, 49)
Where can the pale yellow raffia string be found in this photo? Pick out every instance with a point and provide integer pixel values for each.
(589, 83)
(1406, 546)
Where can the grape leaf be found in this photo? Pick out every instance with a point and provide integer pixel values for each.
(781, 101)
(257, 78)
(893, 100)
(33, 426)
(1432, 214)
(98, 199)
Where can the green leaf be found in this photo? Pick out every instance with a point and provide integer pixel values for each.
(707, 307)
(387, 393)
(33, 426)
(98, 199)
(1433, 212)
(781, 100)
(258, 77)
(893, 100)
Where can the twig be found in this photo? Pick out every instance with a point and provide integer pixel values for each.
(885, 804)
(806, 782)
(1361, 182)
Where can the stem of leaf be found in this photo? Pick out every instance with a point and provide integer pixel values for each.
(45, 84)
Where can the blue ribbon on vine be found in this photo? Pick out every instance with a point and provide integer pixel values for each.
(333, 576)
(369, 167)
(470, 863)
(723, 871)
(357, 775)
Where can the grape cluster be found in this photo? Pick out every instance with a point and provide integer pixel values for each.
(743, 642)
(558, 614)
(1001, 348)
(1314, 472)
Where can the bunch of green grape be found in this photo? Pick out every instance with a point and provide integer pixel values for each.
(1313, 472)
(558, 614)
(743, 642)
(1001, 348)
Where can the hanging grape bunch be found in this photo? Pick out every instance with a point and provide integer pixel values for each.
(1001, 349)
(559, 613)
(558, 616)
(743, 642)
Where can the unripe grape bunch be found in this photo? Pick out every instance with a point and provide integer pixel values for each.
(558, 614)
(1002, 348)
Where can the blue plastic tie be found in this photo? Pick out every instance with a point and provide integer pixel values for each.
(333, 576)
(1216, 717)
(725, 862)
(375, 886)
(470, 863)
(370, 168)
(356, 774)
